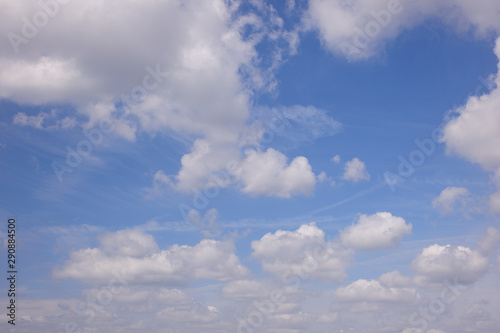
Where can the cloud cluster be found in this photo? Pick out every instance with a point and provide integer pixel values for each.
(136, 255)
(188, 70)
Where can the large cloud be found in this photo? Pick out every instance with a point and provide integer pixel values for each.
(377, 231)
(134, 256)
(303, 253)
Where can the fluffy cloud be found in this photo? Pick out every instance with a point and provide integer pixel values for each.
(391, 287)
(448, 197)
(299, 252)
(135, 257)
(267, 173)
(438, 263)
(377, 231)
(474, 134)
(355, 170)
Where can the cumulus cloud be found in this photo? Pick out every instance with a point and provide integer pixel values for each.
(268, 173)
(474, 134)
(299, 252)
(377, 231)
(438, 263)
(134, 255)
(448, 197)
(391, 287)
(355, 170)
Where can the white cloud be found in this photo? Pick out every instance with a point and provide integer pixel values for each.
(135, 255)
(395, 279)
(161, 182)
(44, 120)
(448, 197)
(128, 243)
(355, 170)
(489, 242)
(474, 134)
(335, 159)
(377, 291)
(195, 81)
(299, 252)
(267, 173)
(172, 297)
(359, 29)
(438, 263)
(377, 231)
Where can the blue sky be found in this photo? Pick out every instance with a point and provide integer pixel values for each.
(227, 166)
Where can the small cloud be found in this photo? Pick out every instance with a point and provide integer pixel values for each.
(323, 177)
(268, 173)
(449, 197)
(355, 171)
(161, 181)
(335, 159)
(44, 120)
